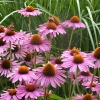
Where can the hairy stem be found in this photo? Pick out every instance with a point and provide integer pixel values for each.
(70, 38)
(10, 55)
(35, 54)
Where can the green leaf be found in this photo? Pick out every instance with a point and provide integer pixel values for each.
(67, 99)
(56, 97)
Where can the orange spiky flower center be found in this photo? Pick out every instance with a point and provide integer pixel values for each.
(97, 53)
(78, 59)
(74, 51)
(75, 19)
(1, 29)
(88, 97)
(49, 69)
(51, 25)
(54, 19)
(23, 69)
(29, 8)
(16, 48)
(30, 88)
(36, 39)
(2, 43)
(6, 64)
(28, 56)
(12, 92)
(85, 73)
(10, 32)
(58, 60)
(93, 84)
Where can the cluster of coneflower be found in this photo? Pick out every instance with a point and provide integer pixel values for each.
(21, 52)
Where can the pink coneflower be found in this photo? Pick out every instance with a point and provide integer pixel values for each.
(95, 57)
(22, 74)
(29, 11)
(5, 68)
(30, 90)
(70, 53)
(49, 74)
(11, 94)
(3, 45)
(29, 59)
(74, 22)
(18, 51)
(52, 27)
(37, 43)
(86, 76)
(9, 35)
(56, 61)
(95, 86)
(85, 97)
(78, 61)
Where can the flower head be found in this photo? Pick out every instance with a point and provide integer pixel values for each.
(86, 76)
(74, 22)
(49, 74)
(36, 42)
(29, 11)
(56, 61)
(70, 53)
(11, 94)
(22, 74)
(95, 57)
(94, 86)
(29, 90)
(5, 66)
(84, 97)
(9, 34)
(78, 61)
(52, 27)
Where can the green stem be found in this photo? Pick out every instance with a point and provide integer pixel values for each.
(29, 24)
(95, 70)
(10, 56)
(80, 39)
(48, 53)
(74, 84)
(35, 54)
(70, 87)
(70, 38)
(45, 94)
(69, 7)
(47, 57)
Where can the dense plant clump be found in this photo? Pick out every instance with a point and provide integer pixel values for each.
(31, 69)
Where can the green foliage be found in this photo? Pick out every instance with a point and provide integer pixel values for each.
(55, 97)
(88, 11)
